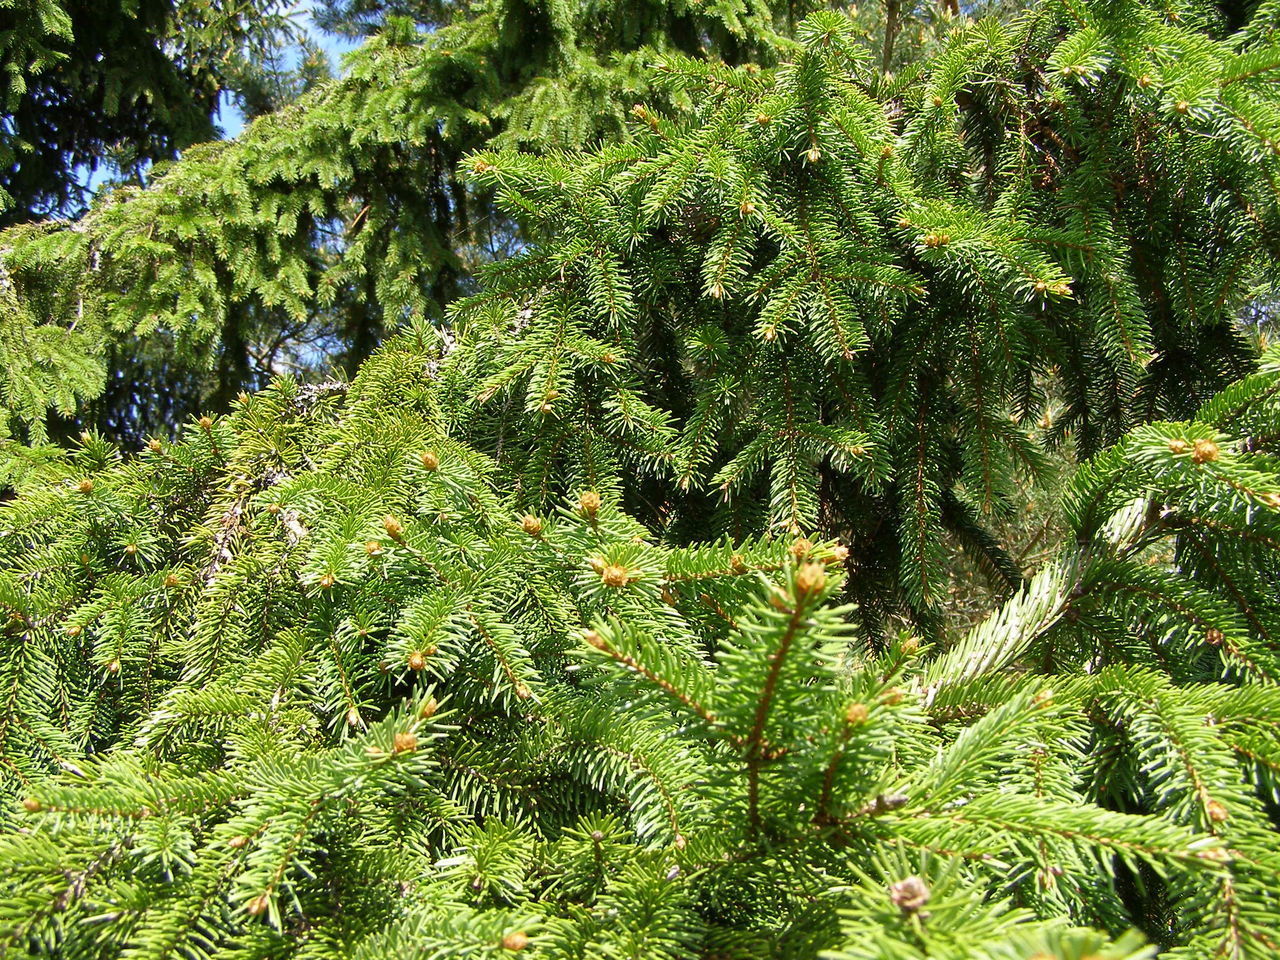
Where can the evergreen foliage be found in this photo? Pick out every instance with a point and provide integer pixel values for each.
(841, 302)
(604, 615)
(86, 84)
(307, 683)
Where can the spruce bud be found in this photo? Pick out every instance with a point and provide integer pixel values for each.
(1217, 812)
(258, 905)
(155, 446)
(1144, 81)
(373, 548)
(810, 579)
(801, 548)
(171, 580)
(589, 504)
(85, 485)
(595, 640)
(531, 525)
(353, 717)
(428, 708)
(430, 460)
(417, 661)
(1182, 106)
(238, 842)
(839, 553)
(615, 575)
(406, 742)
(394, 528)
(1214, 637)
(1179, 446)
(737, 564)
(274, 508)
(909, 895)
(113, 666)
(1206, 451)
(131, 549)
(206, 424)
(327, 581)
(515, 941)
(856, 713)
(32, 805)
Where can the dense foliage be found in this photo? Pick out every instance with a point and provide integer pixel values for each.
(88, 84)
(603, 614)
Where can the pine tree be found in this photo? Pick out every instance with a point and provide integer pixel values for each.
(334, 221)
(307, 683)
(88, 84)
(844, 303)
(604, 617)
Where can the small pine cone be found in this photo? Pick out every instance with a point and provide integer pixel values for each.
(394, 528)
(589, 504)
(417, 661)
(856, 713)
(531, 525)
(1206, 451)
(909, 895)
(430, 460)
(406, 742)
(810, 579)
(515, 941)
(1214, 637)
(615, 575)
(85, 485)
(258, 905)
